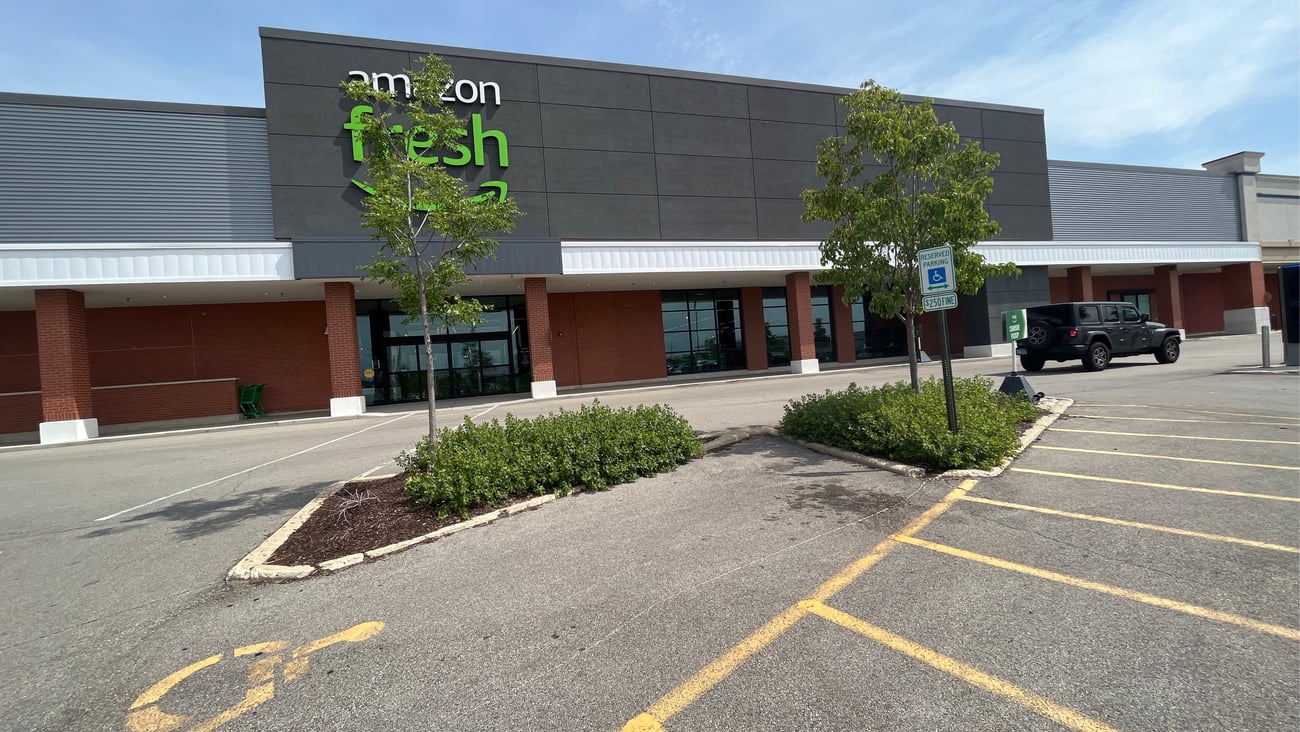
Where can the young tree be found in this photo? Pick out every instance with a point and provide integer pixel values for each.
(430, 230)
(896, 183)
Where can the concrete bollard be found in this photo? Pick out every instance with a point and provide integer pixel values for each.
(1264, 344)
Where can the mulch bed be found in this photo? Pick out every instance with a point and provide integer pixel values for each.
(359, 517)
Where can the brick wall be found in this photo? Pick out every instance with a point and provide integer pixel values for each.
(540, 353)
(753, 332)
(341, 323)
(64, 363)
(1202, 302)
(20, 412)
(798, 304)
(20, 369)
(157, 402)
(282, 345)
(619, 334)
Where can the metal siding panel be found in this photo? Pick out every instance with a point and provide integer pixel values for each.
(1107, 204)
(111, 175)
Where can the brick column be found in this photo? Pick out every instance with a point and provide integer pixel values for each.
(539, 337)
(751, 328)
(345, 353)
(64, 357)
(1244, 310)
(1080, 283)
(1169, 297)
(842, 316)
(798, 304)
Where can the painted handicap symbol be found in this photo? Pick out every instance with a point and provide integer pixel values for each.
(938, 276)
(145, 714)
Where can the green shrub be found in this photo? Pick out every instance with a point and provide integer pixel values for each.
(895, 422)
(596, 447)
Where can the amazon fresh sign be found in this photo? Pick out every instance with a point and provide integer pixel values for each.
(482, 142)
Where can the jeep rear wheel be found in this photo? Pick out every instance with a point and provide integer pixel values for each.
(1032, 363)
(1038, 336)
(1169, 350)
(1097, 358)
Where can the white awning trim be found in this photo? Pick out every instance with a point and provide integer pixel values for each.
(51, 265)
(668, 256)
(621, 257)
(1096, 253)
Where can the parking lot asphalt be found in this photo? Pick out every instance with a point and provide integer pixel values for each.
(1134, 569)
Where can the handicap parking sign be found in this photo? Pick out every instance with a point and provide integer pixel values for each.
(935, 267)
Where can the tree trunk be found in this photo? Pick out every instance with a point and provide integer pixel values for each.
(909, 322)
(429, 374)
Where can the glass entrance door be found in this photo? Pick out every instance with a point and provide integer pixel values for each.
(490, 357)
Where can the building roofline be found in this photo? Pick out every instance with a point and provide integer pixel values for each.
(1122, 166)
(329, 38)
(50, 100)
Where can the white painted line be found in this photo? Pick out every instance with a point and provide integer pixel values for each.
(485, 411)
(371, 471)
(249, 470)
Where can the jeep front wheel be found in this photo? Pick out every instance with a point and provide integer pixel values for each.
(1168, 351)
(1032, 362)
(1098, 357)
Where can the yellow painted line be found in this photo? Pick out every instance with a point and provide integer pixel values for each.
(1033, 702)
(1174, 437)
(1166, 457)
(160, 689)
(1137, 525)
(1065, 579)
(1100, 405)
(256, 648)
(253, 698)
(1165, 486)
(845, 576)
(1185, 421)
(720, 668)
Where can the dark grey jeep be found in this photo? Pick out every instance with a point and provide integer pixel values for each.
(1093, 332)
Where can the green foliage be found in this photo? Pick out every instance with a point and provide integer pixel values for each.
(895, 422)
(430, 230)
(596, 447)
(930, 193)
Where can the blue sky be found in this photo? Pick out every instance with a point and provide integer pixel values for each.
(1149, 82)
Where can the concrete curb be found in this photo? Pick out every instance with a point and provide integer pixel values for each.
(1055, 408)
(254, 567)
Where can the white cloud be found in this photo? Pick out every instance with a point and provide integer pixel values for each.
(1155, 68)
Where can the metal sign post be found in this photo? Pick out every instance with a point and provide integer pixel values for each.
(939, 290)
(1016, 323)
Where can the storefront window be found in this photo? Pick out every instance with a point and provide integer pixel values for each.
(776, 326)
(876, 337)
(702, 331)
(823, 324)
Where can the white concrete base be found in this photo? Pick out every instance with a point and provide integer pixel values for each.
(805, 366)
(353, 406)
(1244, 320)
(989, 351)
(69, 430)
(543, 389)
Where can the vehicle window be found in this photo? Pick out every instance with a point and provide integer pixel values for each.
(1110, 313)
(1131, 315)
(1088, 314)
